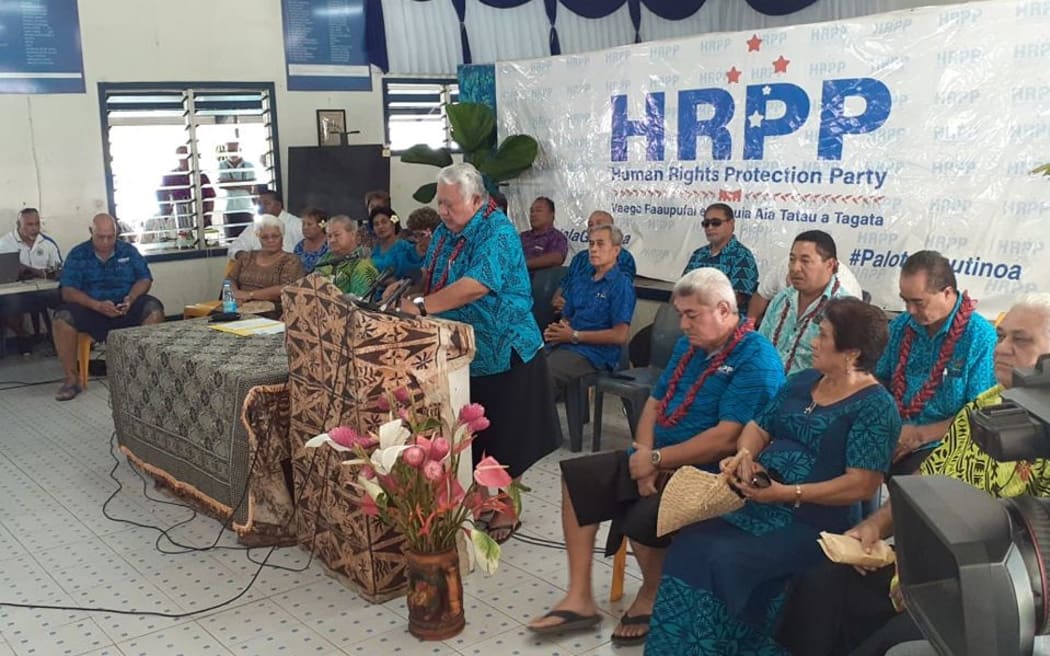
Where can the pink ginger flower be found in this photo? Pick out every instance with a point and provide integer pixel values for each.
(433, 471)
(414, 456)
(471, 412)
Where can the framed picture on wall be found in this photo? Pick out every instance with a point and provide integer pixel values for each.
(331, 127)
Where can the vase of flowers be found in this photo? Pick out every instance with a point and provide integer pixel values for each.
(407, 476)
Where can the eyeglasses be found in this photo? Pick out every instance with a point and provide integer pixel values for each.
(713, 223)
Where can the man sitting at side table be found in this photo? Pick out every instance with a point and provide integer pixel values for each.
(104, 287)
(38, 257)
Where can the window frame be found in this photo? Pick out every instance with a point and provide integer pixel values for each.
(443, 81)
(106, 88)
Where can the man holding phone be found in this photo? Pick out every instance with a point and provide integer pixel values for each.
(104, 287)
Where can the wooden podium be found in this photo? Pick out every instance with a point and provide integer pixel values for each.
(341, 359)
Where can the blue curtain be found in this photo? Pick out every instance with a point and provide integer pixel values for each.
(375, 35)
(551, 7)
(461, 12)
(592, 8)
(779, 7)
(673, 9)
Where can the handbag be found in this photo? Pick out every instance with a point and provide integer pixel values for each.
(693, 495)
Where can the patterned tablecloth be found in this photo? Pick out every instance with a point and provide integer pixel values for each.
(177, 391)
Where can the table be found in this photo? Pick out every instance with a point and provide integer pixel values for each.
(177, 392)
(28, 286)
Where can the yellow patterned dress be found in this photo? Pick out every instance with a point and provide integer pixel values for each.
(960, 458)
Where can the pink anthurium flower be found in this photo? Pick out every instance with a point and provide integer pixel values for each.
(489, 473)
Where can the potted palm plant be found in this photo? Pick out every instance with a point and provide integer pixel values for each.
(474, 131)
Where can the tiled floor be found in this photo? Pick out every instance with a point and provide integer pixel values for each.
(56, 547)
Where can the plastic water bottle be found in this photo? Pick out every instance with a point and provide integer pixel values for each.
(229, 303)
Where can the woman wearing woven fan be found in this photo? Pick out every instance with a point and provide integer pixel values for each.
(938, 359)
(817, 449)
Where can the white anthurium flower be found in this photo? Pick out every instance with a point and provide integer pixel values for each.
(370, 487)
(318, 440)
(383, 460)
(393, 433)
(486, 551)
(355, 461)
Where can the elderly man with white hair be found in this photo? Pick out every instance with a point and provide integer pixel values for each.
(260, 275)
(719, 377)
(837, 610)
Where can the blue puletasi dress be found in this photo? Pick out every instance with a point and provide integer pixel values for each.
(724, 579)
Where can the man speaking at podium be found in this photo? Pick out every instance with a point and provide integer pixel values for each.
(475, 272)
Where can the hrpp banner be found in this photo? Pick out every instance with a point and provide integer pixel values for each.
(895, 133)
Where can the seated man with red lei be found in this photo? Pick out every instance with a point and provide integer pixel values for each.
(720, 375)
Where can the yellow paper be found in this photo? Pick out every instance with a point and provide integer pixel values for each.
(249, 327)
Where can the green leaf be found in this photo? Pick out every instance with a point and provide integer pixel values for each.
(473, 125)
(424, 154)
(514, 492)
(1042, 170)
(426, 193)
(515, 154)
(486, 551)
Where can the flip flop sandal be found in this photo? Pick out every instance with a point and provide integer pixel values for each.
(632, 620)
(505, 531)
(572, 622)
(68, 392)
(483, 520)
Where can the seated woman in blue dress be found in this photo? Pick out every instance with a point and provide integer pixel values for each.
(820, 447)
(390, 252)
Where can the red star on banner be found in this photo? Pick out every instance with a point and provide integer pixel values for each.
(733, 76)
(781, 65)
(754, 44)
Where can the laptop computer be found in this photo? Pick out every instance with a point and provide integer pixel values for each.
(8, 268)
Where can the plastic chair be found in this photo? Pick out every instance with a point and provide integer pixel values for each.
(634, 385)
(577, 403)
(544, 283)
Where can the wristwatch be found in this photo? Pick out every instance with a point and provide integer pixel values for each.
(575, 339)
(420, 305)
(655, 457)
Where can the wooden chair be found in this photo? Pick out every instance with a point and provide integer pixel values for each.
(84, 342)
(619, 572)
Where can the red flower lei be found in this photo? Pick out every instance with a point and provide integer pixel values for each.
(899, 384)
(429, 274)
(672, 386)
(801, 326)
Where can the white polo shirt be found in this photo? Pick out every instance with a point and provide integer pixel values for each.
(248, 241)
(44, 254)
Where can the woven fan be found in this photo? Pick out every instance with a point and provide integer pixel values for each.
(846, 550)
(693, 495)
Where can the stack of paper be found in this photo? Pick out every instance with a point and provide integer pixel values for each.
(248, 327)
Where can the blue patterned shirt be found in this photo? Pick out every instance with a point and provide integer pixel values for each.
(810, 444)
(735, 260)
(748, 379)
(310, 258)
(502, 318)
(580, 268)
(401, 257)
(969, 372)
(796, 333)
(111, 280)
(599, 305)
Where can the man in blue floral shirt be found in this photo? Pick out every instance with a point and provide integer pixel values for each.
(725, 253)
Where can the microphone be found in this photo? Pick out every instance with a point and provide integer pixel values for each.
(394, 300)
(374, 287)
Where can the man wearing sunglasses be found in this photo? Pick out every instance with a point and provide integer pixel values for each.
(725, 253)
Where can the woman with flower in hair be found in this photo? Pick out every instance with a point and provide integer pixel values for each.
(390, 252)
(938, 359)
(803, 464)
(314, 244)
